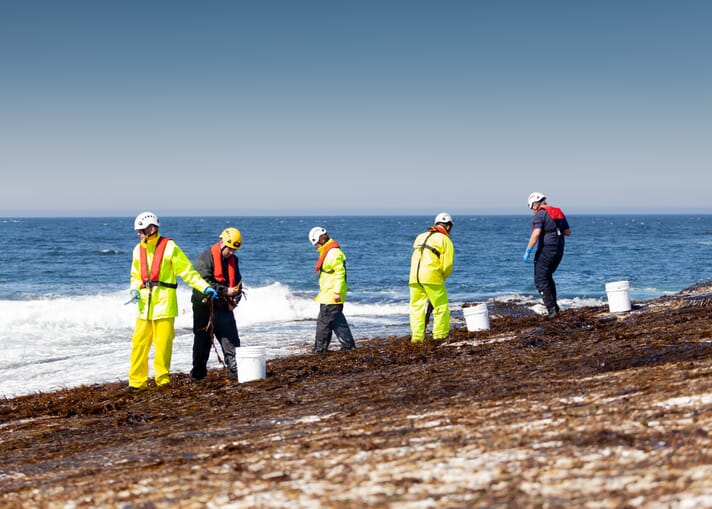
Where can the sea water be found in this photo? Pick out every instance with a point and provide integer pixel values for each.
(64, 282)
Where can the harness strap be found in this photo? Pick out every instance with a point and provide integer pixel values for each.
(426, 246)
(151, 284)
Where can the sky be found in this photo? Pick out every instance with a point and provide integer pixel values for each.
(354, 107)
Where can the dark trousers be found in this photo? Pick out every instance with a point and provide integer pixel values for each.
(225, 330)
(546, 261)
(331, 319)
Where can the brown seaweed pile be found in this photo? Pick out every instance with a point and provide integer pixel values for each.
(587, 410)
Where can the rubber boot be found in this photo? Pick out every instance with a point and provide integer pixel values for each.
(550, 302)
(556, 303)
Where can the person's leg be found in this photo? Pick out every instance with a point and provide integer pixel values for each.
(322, 338)
(227, 336)
(342, 329)
(140, 346)
(437, 295)
(201, 342)
(418, 308)
(163, 334)
(545, 263)
(552, 284)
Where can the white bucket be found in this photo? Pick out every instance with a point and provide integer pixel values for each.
(251, 363)
(476, 317)
(618, 298)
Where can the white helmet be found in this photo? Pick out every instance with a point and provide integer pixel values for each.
(144, 219)
(443, 217)
(315, 233)
(535, 197)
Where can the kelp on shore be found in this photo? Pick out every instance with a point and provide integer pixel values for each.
(589, 408)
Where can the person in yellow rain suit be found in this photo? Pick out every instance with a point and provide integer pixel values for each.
(156, 262)
(430, 266)
(331, 268)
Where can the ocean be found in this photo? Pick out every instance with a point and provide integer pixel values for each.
(64, 281)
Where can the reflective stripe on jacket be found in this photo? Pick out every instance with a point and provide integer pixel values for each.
(433, 255)
(163, 300)
(332, 277)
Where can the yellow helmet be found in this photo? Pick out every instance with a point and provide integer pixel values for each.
(232, 238)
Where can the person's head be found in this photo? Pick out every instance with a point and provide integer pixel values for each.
(318, 236)
(146, 225)
(230, 241)
(535, 200)
(445, 220)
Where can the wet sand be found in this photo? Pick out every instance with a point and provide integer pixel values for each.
(587, 410)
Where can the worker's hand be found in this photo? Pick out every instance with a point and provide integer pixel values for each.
(337, 298)
(210, 292)
(528, 254)
(135, 295)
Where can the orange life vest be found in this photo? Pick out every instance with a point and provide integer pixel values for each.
(558, 216)
(216, 251)
(554, 212)
(151, 279)
(320, 262)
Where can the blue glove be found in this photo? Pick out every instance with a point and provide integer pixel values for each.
(135, 295)
(528, 254)
(210, 292)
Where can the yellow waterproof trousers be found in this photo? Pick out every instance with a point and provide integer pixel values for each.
(160, 333)
(420, 295)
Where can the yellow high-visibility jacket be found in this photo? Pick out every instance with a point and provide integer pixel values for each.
(433, 255)
(332, 277)
(163, 300)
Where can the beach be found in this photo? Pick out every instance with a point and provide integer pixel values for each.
(590, 409)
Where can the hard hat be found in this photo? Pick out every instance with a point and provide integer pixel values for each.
(443, 217)
(144, 219)
(232, 238)
(315, 233)
(535, 197)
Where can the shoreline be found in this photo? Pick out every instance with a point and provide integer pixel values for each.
(590, 409)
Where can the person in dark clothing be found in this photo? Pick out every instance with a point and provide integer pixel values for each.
(549, 228)
(219, 266)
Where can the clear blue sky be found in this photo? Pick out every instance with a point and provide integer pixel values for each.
(336, 107)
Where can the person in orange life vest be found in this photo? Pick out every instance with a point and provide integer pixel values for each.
(219, 266)
(331, 268)
(157, 261)
(430, 265)
(549, 228)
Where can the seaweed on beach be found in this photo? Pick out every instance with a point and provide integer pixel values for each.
(533, 412)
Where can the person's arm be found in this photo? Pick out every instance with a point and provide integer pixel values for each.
(336, 261)
(534, 237)
(184, 268)
(136, 283)
(447, 257)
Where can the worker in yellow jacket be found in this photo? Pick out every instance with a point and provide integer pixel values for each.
(430, 266)
(156, 262)
(331, 268)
